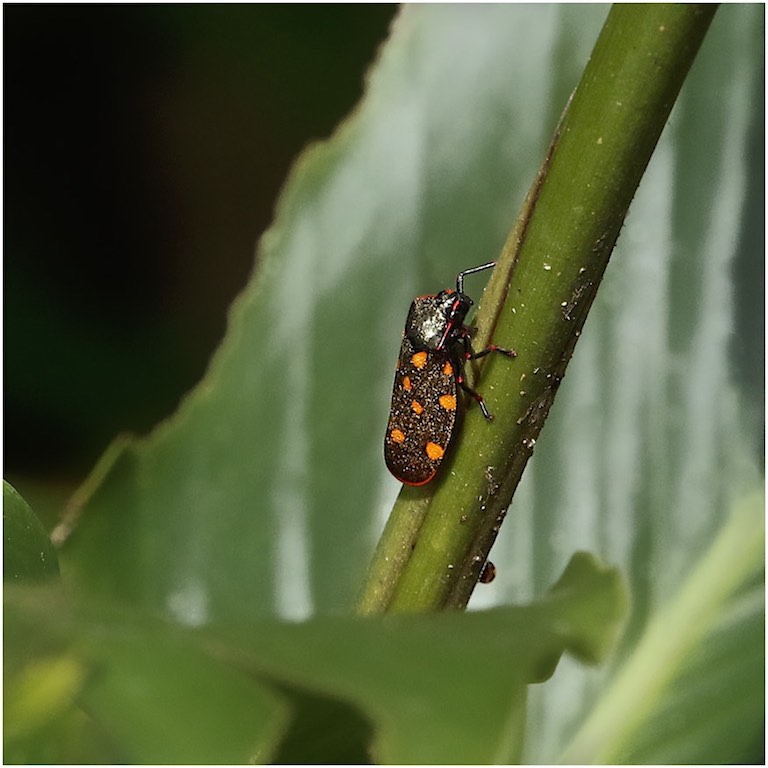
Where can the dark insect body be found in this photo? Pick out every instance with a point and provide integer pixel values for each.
(430, 372)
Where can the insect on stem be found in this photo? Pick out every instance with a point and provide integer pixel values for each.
(430, 374)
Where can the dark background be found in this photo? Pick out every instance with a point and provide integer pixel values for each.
(145, 147)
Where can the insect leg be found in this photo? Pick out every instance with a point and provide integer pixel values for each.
(465, 335)
(476, 396)
(469, 354)
(491, 348)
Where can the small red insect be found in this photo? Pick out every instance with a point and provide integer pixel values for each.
(430, 371)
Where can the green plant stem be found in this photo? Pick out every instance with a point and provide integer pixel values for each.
(537, 300)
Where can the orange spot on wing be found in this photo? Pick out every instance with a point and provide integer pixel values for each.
(434, 451)
(397, 436)
(448, 402)
(448, 369)
(419, 360)
(407, 383)
(417, 407)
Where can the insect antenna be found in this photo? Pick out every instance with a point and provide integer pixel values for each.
(460, 276)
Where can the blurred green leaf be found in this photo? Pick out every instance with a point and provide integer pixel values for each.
(162, 694)
(410, 674)
(712, 709)
(40, 682)
(265, 493)
(323, 729)
(37, 694)
(655, 685)
(28, 554)
(149, 692)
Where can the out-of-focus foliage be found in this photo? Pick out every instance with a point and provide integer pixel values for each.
(28, 555)
(264, 495)
(324, 691)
